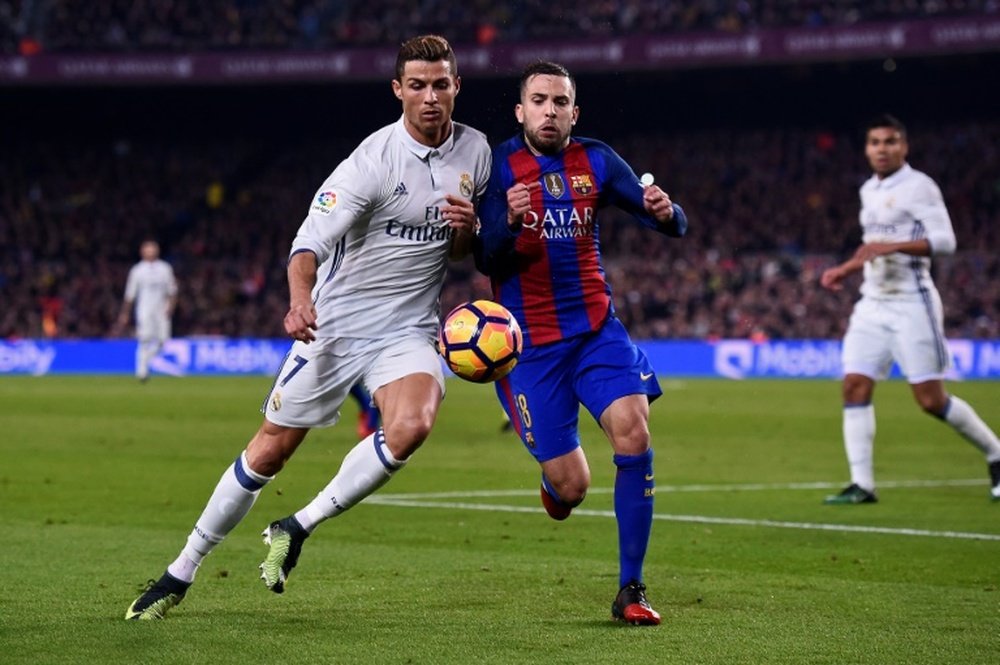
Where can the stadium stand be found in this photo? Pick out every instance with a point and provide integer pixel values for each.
(191, 25)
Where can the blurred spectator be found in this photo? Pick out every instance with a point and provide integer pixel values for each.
(764, 206)
(199, 25)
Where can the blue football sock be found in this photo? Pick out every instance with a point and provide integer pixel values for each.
(634, 488)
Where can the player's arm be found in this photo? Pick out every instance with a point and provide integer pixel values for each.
(833, 278)
(460, 215)
(929, 209)
(649, 204)
(500, 225)
(128, 302)
(300, 321)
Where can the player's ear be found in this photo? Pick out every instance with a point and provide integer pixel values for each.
(519, 113)
(576, 115)
(397, 89)
(458, 84)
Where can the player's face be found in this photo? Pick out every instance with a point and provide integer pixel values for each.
(547, 112)
(149, 251)
(886, 150)
(428, 91)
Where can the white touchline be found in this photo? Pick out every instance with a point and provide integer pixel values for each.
(421, 500)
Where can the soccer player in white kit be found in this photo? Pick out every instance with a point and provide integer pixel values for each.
(904, 223)
(152, 289)
(365, 274)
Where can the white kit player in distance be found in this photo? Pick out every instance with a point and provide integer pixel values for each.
(151, 289)
(364, 276)
(899, 317)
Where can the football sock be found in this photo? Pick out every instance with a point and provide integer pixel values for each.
(366, 468)
(967, 422)
(859, 440)
(230, 502)
(634, 489)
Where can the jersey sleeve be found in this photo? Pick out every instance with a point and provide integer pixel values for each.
(624, 190)
(495, 241)
(171, 281)
(350, 193)
(929, 210)
(132, 285)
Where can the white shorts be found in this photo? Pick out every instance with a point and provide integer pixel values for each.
(152, 327)
(907, 331)
(315, 378)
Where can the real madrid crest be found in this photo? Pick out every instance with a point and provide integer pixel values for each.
(465, 185)
(554, 185)
(276, 401)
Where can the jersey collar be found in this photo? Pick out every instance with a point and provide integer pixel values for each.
(422, 151)
(893, 180)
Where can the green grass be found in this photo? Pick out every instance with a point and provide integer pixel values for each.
(101, 480)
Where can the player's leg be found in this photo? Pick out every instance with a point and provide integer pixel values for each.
(543, 410)
(616, 383)
(935, 400)
(234, 495)
(368, 415)
(925, 359)
(867, 357)
(409, 387)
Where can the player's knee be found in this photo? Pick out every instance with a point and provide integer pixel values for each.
(572, 491)
(932, 404)
(405, 434)
(633, 440)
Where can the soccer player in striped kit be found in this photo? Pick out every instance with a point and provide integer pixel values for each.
(539, 244)
(899, 317)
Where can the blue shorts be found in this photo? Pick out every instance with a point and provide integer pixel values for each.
(542, 396)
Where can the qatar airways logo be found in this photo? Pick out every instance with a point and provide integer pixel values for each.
(561, 222)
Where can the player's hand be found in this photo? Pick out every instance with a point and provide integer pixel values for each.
(833, 278)
(519, 201)
(459, 213)
(657, 203)
(300, 322)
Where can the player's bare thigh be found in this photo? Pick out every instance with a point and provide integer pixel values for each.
(409, 406)
(626, 424)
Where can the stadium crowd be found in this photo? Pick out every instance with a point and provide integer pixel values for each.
(770, 209)
(190, 25)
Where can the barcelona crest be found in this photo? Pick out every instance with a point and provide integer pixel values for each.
(582, 184)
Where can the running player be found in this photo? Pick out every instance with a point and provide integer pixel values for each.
(904, 223)
(365, 273)
(539, 245)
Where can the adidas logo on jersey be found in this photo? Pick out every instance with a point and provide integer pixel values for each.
(400, 190)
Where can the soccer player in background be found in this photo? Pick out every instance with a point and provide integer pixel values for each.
(539, 244)
(152, 289)
(364, 275)
(899, 317)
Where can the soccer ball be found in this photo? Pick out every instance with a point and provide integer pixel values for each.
(480, 341)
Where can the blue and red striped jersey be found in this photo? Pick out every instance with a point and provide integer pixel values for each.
(548, 272)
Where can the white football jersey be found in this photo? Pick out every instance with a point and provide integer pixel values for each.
(150, 285)
(905, 206)
(375, 226)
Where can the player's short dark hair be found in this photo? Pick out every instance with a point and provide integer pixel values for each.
(428, 48)
(545, 67)
(886, 120)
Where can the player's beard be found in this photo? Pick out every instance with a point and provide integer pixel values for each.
(544, 145)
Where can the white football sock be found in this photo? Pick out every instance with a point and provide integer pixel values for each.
(967, 422)
(230, 502)
(859, 442)
(366, 468)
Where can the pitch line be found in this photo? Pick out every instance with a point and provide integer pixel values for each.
(420, 501)
(744, 487)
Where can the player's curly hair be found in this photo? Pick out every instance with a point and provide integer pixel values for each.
(428, 48)
(545, 67)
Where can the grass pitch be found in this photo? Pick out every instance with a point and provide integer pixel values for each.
(454, 561)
